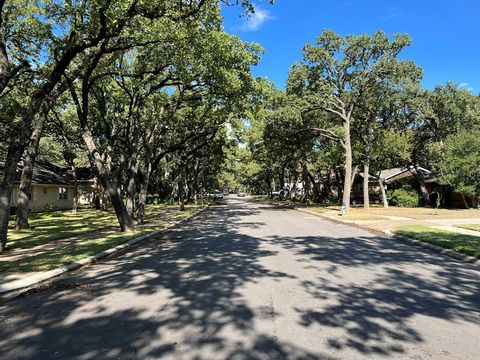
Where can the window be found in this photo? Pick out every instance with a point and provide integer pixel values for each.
(62, 193)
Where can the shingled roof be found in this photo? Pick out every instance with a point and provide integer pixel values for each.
(395, 174)
(44, 173)
(392, 175)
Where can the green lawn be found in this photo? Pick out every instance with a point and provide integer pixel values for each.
(474, 227)
(45, 228)
(90, 246)
(317, 209)
(466, 244)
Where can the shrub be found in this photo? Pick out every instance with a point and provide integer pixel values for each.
(49, 208)
(149, 199)
(403, 198)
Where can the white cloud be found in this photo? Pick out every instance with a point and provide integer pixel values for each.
(256, 20)
(465, 85)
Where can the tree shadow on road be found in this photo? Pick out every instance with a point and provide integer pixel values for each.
(181, 296)
(374, 312)
(177, 296)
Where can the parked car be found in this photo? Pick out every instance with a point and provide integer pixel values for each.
(225, 192)
(241, 194)
(218, 195)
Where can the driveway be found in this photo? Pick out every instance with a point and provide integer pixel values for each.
(251, 281)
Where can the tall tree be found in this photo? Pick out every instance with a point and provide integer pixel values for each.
(336, 75)
(54, 35)
(460, 163)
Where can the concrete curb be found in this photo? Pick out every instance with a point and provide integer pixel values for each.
(26, 283)
(390, 235)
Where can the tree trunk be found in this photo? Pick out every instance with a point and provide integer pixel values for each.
(465, 202)
(189, 192)
(384, 193)
(366, 193)
(195, 181)
(132, 170)
(354, 175)
(142, 200)
(181, 186)
(282, 178)
(14, 154)
(315, 186)
(75, 186)
(181, 195)
(25, 188)
(124, 219)
(5, 194)
(96, 194)
(131, 187)
(340, 181)
(4, 61)
(347, 186)
(423, 188)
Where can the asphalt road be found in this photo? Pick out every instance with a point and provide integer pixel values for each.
(250, 281)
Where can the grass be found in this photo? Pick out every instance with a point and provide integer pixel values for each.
(317, 209)
(70, 253)
(474, 227)
(466, 244)
(90, 245)
(45, 228)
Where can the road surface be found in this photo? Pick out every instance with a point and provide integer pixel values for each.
(251, 281)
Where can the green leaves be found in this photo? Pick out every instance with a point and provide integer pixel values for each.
(461, 162)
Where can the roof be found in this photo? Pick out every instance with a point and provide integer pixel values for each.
(48, 173)
(389, 172)
(395, 174)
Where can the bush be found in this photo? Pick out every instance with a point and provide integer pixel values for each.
(403, 198)
(49, 208)
(149, 199)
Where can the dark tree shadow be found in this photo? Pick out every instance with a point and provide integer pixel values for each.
(182, 296)
(176, 296)
(374, 314)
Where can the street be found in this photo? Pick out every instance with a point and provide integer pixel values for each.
(245, 280)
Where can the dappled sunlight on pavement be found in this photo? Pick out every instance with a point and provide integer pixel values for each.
(253, 281)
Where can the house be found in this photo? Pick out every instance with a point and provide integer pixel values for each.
(53, 187)
(397, 177)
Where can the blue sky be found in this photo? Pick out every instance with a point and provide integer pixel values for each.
(445, 33)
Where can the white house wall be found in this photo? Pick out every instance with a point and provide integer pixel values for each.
(43, 195)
